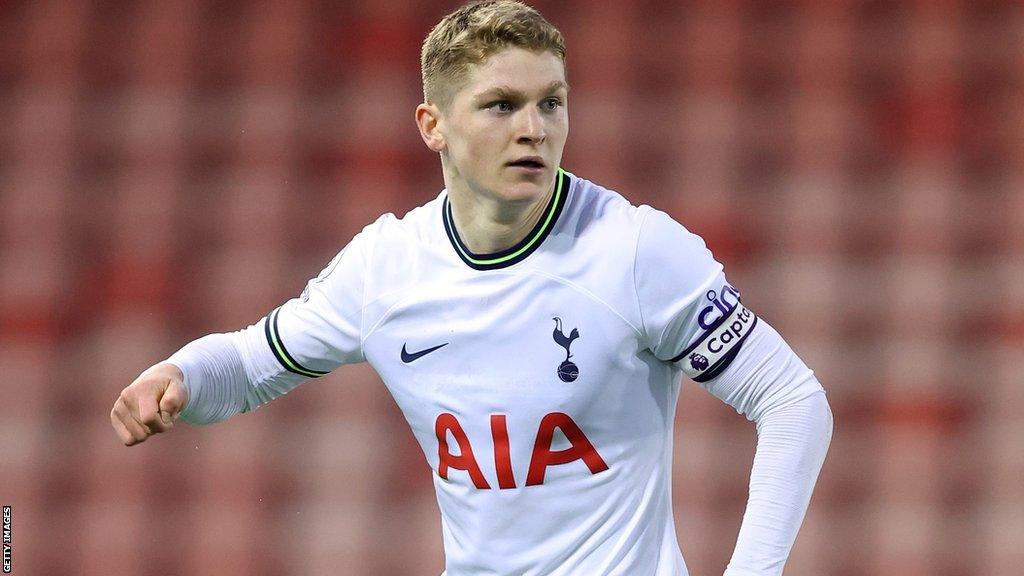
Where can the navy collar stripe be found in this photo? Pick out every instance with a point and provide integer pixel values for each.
(523, 248)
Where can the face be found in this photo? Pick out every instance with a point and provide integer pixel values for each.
(503, 132)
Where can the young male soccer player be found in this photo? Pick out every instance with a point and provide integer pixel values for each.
(532, 326)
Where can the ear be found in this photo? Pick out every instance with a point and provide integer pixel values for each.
(428, 116)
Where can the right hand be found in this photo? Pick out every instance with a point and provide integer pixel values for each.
(150, 404)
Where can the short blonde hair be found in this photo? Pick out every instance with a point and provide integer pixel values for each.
(473, 33)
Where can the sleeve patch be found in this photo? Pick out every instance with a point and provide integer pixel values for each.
(715, 349)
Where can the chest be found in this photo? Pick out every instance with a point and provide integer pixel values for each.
(503, 343)
(540, 370)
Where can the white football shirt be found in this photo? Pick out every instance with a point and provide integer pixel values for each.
(541, 381)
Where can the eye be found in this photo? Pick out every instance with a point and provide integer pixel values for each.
(551, 104)
(500, 106)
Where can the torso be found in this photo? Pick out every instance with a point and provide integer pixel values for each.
(547, 423)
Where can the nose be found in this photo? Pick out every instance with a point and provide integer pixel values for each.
(531, 126)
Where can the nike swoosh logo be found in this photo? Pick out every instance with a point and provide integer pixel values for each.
(409, 357)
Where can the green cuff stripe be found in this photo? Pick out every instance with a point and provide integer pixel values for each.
(281, 353)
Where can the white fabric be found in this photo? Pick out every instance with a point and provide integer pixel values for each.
(226, 374)
(215, 378)
(771, 386)
(571, 437)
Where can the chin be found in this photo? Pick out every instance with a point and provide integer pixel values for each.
(525, 191)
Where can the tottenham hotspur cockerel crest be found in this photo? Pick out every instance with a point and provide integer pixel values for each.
(567, 371)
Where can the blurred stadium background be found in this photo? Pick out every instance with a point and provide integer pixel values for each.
(168, 169)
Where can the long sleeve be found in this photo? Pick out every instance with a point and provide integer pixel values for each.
(214, 375)
(769, 384)
(226, 374)
(791, 446)
(693, 318)
(303, 339)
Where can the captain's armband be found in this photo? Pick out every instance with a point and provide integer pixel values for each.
(722, 339)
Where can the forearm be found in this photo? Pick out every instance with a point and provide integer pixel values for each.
(215, 377)
(226, 374)
(791, 446)
(772, 387)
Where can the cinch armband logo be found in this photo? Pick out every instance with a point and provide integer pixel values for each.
(715, 349)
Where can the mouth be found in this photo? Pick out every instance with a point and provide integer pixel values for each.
(532, 163)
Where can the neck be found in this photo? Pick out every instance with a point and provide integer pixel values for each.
(487, 224)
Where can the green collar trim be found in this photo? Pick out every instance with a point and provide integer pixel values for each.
(523, 248)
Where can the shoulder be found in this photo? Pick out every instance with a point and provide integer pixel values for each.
(391, 238)
(598, 223)
(384, 246)
(417, 225)
(601, 216)
(658, 248)
(399, 251)
(594, 206)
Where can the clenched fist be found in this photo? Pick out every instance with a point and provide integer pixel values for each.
(150, 404)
